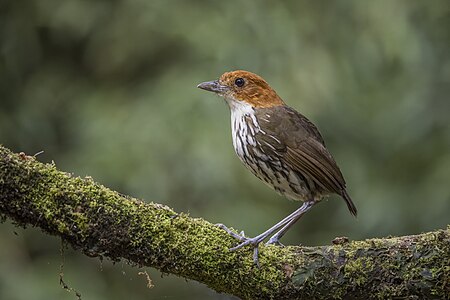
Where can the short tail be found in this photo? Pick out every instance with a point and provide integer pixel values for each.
(351, 206)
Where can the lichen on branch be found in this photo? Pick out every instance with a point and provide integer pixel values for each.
(103, 223)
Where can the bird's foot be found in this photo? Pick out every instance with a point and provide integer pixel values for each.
(239, 236)
(274, 241)
(254, 242)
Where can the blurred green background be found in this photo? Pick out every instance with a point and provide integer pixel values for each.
(108, 89)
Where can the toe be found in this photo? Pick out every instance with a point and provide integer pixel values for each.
(231, 232)
(274, 242)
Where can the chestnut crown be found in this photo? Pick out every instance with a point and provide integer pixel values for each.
(244, 86)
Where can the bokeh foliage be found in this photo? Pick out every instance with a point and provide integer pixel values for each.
(107, 89)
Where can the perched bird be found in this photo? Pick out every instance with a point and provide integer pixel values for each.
(278, 145)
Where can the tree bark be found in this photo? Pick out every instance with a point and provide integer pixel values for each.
(103, 223)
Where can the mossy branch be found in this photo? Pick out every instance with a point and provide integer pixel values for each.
(104, 223)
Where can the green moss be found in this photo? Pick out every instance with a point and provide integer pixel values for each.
(357, 270)
(104, 223)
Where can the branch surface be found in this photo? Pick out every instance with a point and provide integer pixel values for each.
(103, 223)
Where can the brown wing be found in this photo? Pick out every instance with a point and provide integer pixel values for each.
(303, 150)
(311, 158)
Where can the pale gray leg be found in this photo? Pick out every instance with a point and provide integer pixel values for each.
(255, 241)
(303, 209)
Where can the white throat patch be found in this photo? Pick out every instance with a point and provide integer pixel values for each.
(243, 133)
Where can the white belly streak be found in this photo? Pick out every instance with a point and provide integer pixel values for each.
(285, 182)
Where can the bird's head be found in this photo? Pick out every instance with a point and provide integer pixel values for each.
(242, 86)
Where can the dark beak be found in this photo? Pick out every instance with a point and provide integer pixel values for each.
(213, 86)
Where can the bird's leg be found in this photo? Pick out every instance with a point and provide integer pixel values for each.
(259, 238)
(299, 213)
(241, 235)
(255, 241)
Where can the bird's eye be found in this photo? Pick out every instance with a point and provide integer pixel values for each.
(239, 82)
